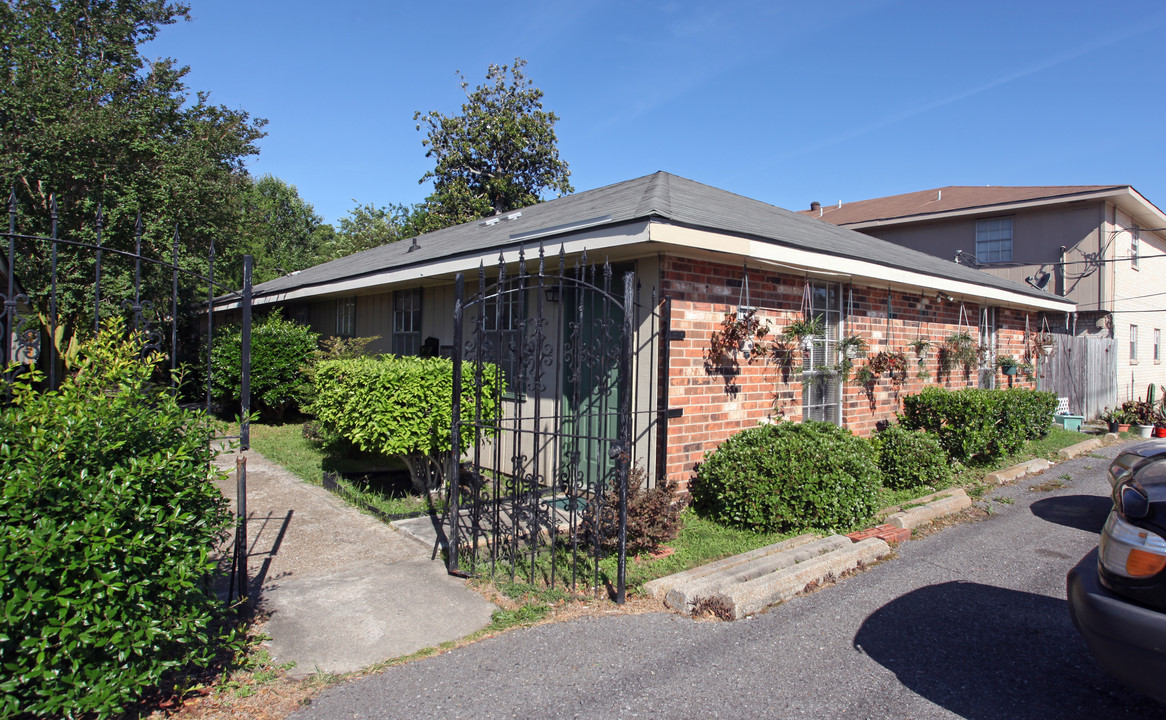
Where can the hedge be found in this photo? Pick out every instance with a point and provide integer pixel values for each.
(788, 476)
(911, 459)
(973, 423)
(402, 406)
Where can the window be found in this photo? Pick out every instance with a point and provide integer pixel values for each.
(407, 321)
(346, 317)
(1133, 343)
(994, 240)
(1157, 345)
(821, 391)
(1134, 259)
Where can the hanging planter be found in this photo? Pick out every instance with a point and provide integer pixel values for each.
(849, 348)
(741, 330)
(1007, 364)
(960, 350)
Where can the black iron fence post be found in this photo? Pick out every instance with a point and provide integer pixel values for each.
(245, 358)
(625, 428)
(244, 443)
(455, 429)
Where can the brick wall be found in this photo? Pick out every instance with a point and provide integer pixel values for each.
(720, 399)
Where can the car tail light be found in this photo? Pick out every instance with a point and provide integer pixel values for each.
(1130, 551)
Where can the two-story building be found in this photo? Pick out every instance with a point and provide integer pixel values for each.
(1101, 246)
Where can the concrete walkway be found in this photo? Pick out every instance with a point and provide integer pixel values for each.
(343, 589)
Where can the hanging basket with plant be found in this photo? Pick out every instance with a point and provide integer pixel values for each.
(849, 348)
(803, 330)
(1007, 364)
(960, 350)
(741, 332)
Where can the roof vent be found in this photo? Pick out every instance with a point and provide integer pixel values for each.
(816, 206)
(414, 246)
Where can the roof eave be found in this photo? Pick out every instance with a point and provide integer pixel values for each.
(1125, 196)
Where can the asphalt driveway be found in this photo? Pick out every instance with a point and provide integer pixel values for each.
(970, 622)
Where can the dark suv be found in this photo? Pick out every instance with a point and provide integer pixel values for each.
(1117, 593)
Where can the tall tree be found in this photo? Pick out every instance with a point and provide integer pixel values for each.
(281, 229)
(84, 117)
(368, 226)
(499, 154)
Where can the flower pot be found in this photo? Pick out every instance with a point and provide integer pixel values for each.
(1114, 426)
(1010, 370)
(1123, 427)
(1160, 432)
(1144, 430)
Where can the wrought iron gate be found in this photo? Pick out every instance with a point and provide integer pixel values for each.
(539, 476)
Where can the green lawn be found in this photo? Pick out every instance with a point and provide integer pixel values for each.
(308, 459)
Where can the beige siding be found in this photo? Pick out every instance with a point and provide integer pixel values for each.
(1037, 237)
(1140, 300)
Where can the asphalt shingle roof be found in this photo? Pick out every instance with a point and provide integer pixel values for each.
(946, 199)
(660, 196)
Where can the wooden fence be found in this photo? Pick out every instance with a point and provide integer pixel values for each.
(1083, 369)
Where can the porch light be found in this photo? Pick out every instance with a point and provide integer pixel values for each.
(552, 293)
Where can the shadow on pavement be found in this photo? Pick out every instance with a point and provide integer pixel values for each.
(985, 653)
(1082, 512)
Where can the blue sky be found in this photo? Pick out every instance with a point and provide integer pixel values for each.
(780, 101)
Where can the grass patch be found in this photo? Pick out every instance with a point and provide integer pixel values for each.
(700, 541)
(368, 481)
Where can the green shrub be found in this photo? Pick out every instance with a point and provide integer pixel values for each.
(786, 476)
(281, 351)
(107, 520)
(911, 459)
(982, 424)
(402, 406)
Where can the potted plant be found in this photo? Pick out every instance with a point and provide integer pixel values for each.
(960, 350)
(1142, 416)
(1112, 418)
(1043, 343)
(920, 346)
(850, 347)
(1007, 364)
(803, 331)
(740, 331)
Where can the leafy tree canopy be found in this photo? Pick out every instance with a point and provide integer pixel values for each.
(499, 154)
(85, 117)
(281, 230)
(368, 226)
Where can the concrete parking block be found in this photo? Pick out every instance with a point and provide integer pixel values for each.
(1080, 448)
(685, 596)
(658, 588)
(1009, 474)
(951, 501)
(737, 601)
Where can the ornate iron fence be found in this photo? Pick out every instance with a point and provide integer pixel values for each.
(581, 407)
(33, 329)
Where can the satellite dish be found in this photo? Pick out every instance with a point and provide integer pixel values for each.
(1039, 283)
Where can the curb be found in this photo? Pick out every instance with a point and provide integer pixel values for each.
(686, 596)
(1009, 474)
(659, 588)
(743, 599)
(1080, 448)
(949, 502)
